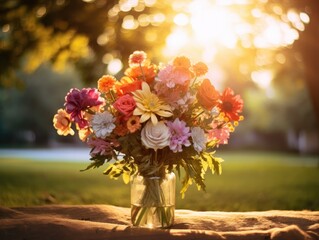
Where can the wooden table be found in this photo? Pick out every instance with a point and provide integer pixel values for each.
(95, 222)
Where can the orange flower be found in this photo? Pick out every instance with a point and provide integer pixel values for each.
(62, 123)
(207, 95)
(84, 133)
(182, 62)
(106, 83)
(127, 85)
(200, 69)
(133, 124)
(121, 128)
(143, 73)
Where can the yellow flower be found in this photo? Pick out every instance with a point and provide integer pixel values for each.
(148, 105)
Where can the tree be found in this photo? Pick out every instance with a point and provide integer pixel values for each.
(88, 33)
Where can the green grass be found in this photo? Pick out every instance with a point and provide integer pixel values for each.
(250, 181)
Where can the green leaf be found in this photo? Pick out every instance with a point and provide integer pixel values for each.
(217, 165)
(97, 162)
(108, 170)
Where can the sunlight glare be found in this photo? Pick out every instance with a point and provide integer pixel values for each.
(127, 5)
(176, 40)
(213, 23)
(304, 17)
(114, 66)
(181, 19)
(262, 78)
(107, 58)
(204, 29)
(129, 22)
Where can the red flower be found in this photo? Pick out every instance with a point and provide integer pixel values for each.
(231, 105)
(125, 105)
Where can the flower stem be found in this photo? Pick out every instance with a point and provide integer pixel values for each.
(142, 72)
(199, 114)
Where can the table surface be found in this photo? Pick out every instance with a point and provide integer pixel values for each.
(86, 222)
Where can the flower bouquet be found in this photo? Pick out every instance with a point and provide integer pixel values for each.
(155, 120)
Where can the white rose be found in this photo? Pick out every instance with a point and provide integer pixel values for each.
(199, 139)
(155, 136)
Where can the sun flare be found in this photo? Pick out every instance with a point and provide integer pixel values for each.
(204, 28)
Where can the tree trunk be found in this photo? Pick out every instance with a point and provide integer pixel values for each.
(308, 46)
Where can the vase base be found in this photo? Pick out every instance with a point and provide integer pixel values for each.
(152, 217)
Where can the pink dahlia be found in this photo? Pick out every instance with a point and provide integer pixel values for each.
(77, 101)
(179, 135)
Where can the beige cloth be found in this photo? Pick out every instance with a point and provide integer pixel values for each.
(86, 222)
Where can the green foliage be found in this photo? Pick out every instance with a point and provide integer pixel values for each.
(69, 31)
(146, 162)
(251, 181)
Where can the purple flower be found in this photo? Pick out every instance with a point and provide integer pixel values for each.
(103, 147)
(77, 101)
(179, 135)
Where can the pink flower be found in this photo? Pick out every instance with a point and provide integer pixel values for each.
(102, 147)
(77, 101)
(125, 105)
(172, 83)
(219, 134)
(137, 58)
(179, 135)
(171, 75)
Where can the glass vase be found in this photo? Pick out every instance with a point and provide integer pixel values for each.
(153, 201)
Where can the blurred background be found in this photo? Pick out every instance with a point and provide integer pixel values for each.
(266, 50)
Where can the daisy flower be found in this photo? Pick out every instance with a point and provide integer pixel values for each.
(148, 105)
(133, 124)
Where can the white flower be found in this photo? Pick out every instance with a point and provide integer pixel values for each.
(155, 136)
(102, 124)
(199, 139)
